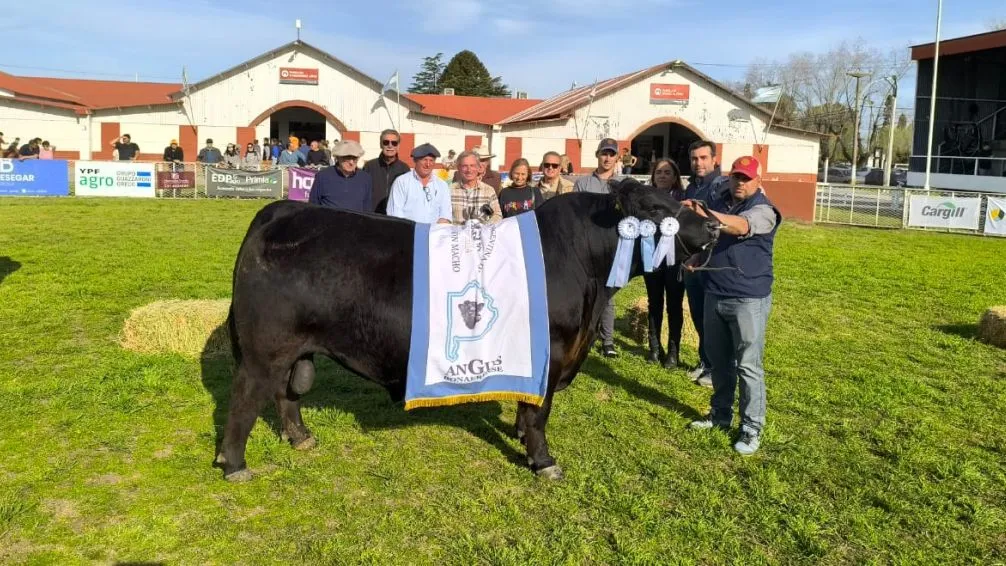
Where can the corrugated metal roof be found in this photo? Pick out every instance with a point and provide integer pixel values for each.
(111, 94)
(474, 109)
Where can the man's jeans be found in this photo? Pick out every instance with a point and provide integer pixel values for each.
(735, 333)
(696, 307)
(607, 326)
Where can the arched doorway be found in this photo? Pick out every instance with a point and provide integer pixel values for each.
(301, 118)
(663, 138)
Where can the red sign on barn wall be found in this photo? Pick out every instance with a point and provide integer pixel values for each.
(668, 94)
(295, 76)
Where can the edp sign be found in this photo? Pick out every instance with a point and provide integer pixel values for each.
(237, 183)
(944, 212)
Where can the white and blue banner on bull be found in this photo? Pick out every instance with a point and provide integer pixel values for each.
(479, 314)
(944, 212)
(34, 177)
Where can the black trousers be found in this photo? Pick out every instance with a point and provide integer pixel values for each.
(661, 283)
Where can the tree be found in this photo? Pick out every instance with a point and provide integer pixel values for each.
(469, 77)
(996, 25)
(425, 81)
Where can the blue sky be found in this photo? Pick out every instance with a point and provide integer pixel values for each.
(537, 46)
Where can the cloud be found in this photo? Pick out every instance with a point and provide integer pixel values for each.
(449, 15)
(511, 26)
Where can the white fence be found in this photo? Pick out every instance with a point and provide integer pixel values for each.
(892, 207)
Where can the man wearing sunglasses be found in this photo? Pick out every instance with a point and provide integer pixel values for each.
(552, 183)
(738, 300)
(419, 195)
(385, 168)
(597, 182)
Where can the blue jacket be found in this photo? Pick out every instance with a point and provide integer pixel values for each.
(707, 188)
(332, 188)
(752, 255)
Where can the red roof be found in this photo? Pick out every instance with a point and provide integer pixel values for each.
(83, 95)
(959, 45)
(474, 109)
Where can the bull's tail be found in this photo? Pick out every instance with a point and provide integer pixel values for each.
(233, 331)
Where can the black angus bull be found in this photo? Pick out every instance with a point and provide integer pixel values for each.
(311, 280)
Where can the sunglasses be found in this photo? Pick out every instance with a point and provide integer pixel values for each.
(550, 165)
(391, 143)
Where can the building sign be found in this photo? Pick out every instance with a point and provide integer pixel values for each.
(995, 217)
(297, 76)
(944, 212)
(113, 179)
(34, 177)
(299, 181)
(176, 179)
(237, 183)
(669, 94)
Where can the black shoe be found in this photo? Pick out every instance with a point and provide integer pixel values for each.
(671, 361)
(609, 351)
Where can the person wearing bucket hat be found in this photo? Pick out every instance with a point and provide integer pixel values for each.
(486, 174)
(738, 290)
(343, 185)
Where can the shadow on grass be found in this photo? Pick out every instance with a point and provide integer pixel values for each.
(7, 266)
(369, 403)
(966, 331)
(602, 372)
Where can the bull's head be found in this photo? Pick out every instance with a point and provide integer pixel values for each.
(646, 203)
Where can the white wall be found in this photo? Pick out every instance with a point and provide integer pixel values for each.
(790, 158)
(152, 138)
(61, 128)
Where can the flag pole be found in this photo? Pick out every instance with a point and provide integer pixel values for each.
(398, 99)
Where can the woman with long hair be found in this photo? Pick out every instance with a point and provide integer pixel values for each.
(664, 282)
(520, 196)
(252, 158)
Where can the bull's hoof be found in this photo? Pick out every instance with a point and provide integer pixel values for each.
(553, 473)
(241, 475)
(306, 444)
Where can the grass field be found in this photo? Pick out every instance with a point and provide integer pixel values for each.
(885, 441)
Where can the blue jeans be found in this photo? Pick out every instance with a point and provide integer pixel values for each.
(735, 334)
(696, 306)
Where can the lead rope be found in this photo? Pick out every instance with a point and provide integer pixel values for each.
(709, 247)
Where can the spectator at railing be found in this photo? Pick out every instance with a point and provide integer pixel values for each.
(46, 152)
(290, 156)
(174, 156)
(275, 148)
(303, 148)
(294, 142)
(232, 157)
(209, 154)
(128, 151)
(328, 152)
(266, 153)
(315, 156)
(29, 150)
(11, 151)
(253, 157)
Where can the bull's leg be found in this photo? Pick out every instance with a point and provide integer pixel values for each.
(520, 429)
(288, 408)
(248, 393)
(535, 419)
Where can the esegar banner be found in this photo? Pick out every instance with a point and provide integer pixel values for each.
(34, 177)
(113, 179)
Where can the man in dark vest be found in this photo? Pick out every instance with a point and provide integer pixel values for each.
(738, 300)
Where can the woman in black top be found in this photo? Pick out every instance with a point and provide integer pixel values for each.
(664, 279)
(520, 196)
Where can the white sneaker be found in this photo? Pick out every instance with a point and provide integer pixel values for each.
(698, 371)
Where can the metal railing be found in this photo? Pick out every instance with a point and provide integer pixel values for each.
(956, 165)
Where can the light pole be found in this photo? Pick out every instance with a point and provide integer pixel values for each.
(932, 94)
(890, 134)
(855, 130)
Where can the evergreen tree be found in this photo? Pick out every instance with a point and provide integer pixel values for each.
(469, 77)
(425, 81)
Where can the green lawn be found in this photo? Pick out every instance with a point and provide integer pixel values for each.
(885, 441)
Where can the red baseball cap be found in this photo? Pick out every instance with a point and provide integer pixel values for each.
(747, 166)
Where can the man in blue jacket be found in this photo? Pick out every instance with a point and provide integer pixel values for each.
(343, 186)
(706, 184)
(738, 300)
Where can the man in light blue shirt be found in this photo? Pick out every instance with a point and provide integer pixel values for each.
(419, 195)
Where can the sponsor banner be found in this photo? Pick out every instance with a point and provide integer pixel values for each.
(237, 183)
(944, 212)
(299, 180)
(669, 94)
(113, 179)
(995, 217)
(34, 177)
(176, 179)
(297, 76)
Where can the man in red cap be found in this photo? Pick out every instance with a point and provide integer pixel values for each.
(738, 290)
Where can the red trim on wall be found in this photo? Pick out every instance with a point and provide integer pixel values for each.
(793, 199)
(760, 152)
(573, 153)
(473, 141)
(150, 157)
(109, 130)
(790, 177)
(623, 144)
(405, 147)
(244, 136)
(188, 140)
(514, 149)
(355, 136)
(66, 155)
(719, 154)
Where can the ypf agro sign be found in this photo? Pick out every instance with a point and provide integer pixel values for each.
(236, 183)
(299, 180)
(113, 179)
(995, 217)
(944, 212)
(34, 177)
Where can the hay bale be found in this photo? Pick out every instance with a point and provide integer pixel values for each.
(176, 326)
(992, 327)
(639, 325)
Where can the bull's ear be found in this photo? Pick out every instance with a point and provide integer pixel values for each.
(627, 193)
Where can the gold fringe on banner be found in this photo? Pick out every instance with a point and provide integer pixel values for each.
(473, 398)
